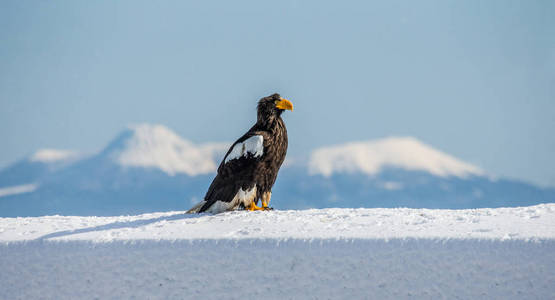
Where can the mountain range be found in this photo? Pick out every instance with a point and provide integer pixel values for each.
(150, 168)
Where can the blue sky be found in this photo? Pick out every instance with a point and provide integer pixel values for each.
(473, 79)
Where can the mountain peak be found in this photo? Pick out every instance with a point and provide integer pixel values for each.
(156, 146)
(371, 157)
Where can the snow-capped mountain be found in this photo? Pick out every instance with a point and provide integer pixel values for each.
(372, 157)
(146, 167)
(157, 147)
(150, 168)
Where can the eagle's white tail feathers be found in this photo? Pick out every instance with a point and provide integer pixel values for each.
(195, 209)
(242, 196)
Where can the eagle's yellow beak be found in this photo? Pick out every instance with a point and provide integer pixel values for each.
(284, 104)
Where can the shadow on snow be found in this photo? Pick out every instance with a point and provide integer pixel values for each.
(120, 224)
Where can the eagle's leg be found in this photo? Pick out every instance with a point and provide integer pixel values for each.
(266, 200)
(253, 207)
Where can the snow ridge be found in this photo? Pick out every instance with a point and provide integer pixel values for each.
(371, 157)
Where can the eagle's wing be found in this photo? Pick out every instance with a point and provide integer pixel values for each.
(238, 170)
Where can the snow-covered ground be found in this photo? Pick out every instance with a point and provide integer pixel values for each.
(526, 223)
(322, 253)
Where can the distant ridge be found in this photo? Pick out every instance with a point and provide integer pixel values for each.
(150, 168)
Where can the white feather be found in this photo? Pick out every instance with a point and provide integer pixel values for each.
(242, 196)
(253, 145)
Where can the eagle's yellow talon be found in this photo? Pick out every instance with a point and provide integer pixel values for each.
(253, 207)
(266, 196)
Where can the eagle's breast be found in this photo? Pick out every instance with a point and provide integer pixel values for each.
(275, 151)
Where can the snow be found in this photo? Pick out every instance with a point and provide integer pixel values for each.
(53, 155)
(371, 157)
(156, 146)
(253, 145)
(534, 222)
(502, 253)
(18, 189)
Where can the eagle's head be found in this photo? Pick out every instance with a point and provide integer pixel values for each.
(271, 107)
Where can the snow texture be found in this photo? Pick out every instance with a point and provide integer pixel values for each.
(373, 156)
(525, 223)
(503, 253)
(253, 145)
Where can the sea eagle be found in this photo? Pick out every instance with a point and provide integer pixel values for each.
(250, 167)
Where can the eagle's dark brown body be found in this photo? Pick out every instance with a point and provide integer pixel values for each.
(250, 167)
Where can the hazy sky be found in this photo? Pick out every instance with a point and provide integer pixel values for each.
(475, 79)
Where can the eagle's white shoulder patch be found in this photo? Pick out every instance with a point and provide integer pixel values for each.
(253, 145)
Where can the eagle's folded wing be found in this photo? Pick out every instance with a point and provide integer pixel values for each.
(236, 178)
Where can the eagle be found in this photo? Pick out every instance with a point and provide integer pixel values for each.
(250, 167)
